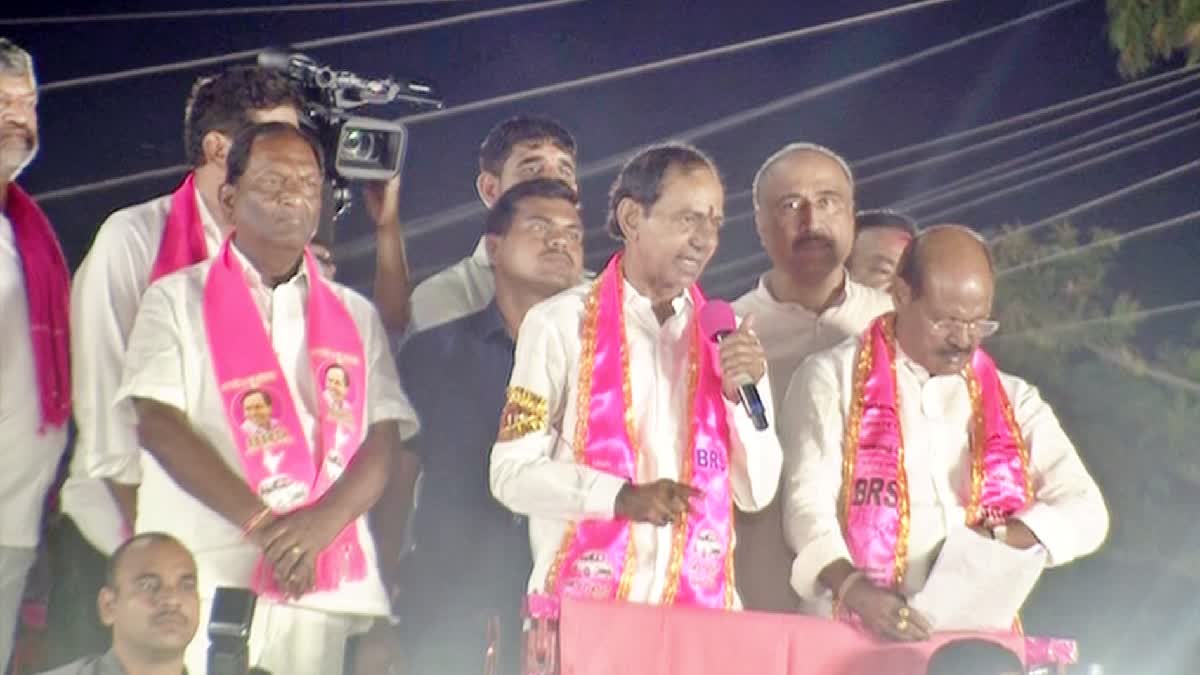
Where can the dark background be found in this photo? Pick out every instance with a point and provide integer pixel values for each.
(99, 131)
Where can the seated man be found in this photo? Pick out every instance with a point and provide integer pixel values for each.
(896, 437)
(881, 237)
(150, 602)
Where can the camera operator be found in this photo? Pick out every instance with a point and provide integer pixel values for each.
(149, 600)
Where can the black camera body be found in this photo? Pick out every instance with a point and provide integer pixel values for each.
(229, 631)
(357, 148)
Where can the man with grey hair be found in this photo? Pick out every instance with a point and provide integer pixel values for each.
(806, 302)
(35, 380)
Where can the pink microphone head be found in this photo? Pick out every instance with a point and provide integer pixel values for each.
(716, 319)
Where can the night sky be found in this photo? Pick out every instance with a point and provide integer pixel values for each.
(99, 131)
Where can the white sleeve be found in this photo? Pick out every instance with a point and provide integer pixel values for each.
(154, 360)
(811, 425)
(105, 295)
(755, 456)
(1068, 514)
(524, 475)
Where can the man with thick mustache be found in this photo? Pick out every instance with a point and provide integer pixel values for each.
(35, 385)
(621, 438)
(907, 433)
(150, 602)
(804, 213)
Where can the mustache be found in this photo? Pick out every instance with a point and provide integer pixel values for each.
(812, 238)
(17, 129)
(169, 615)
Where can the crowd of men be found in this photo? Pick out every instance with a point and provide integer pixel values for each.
(394, 476)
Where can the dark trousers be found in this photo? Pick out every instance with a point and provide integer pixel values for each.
(77, 574)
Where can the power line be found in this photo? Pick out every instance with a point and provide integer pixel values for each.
(1139, 315)
(1187, 218)
(1061, 172)
(229, 11)
(1033, 114)
(422, 226)
(1101, 200)
(1044, 126)
(684, 59)
(308, 44)
(1058, 158)
(1040, 152)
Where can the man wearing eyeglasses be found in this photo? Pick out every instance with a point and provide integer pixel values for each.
(898, 436)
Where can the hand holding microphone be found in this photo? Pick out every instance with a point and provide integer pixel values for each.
(743, 361)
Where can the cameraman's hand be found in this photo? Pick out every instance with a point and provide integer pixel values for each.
(382, 199)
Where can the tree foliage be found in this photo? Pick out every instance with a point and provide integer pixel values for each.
(1147, 32)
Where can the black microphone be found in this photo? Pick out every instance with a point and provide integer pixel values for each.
(717, 321)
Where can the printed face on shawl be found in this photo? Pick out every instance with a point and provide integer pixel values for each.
(337, 383)
(805, 215)
(152, 606)
(18, 122)
(276, 203)
(256, 406)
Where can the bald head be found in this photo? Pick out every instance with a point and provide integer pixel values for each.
(945, 251)
(943, 294)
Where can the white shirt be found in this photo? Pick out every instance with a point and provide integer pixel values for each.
(169, 361)
(105, 295)
(789, 332)
(537, 475)
(1068, 514)
(30, 458)
(464, 288)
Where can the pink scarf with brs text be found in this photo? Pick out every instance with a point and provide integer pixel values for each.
(183, 237)
(597, 557)
(874, 501)
(279, 464)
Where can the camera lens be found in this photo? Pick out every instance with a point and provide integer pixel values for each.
(360, 145)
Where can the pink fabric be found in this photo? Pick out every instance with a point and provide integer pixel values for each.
(595, 560)
(876, 508)
(651, 640)
(183, 237)
(48, 294)
(1005, 488)
(278, 463)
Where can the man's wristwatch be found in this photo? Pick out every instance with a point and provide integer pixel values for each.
(1000, 533)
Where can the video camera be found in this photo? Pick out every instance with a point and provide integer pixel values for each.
(356, 148)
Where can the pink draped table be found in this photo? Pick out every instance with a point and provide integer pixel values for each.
(613, 638)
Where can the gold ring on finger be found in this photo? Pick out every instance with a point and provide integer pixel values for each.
(297, 551)
(902, 625)
(902, 612)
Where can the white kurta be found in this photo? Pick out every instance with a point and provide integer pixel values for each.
(537, 475)
(1068, 514)
(464, 288)
(789, 333)
(30, 458)
(105, 295)
(169, 361)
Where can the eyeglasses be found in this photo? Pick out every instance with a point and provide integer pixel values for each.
(980, 329)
